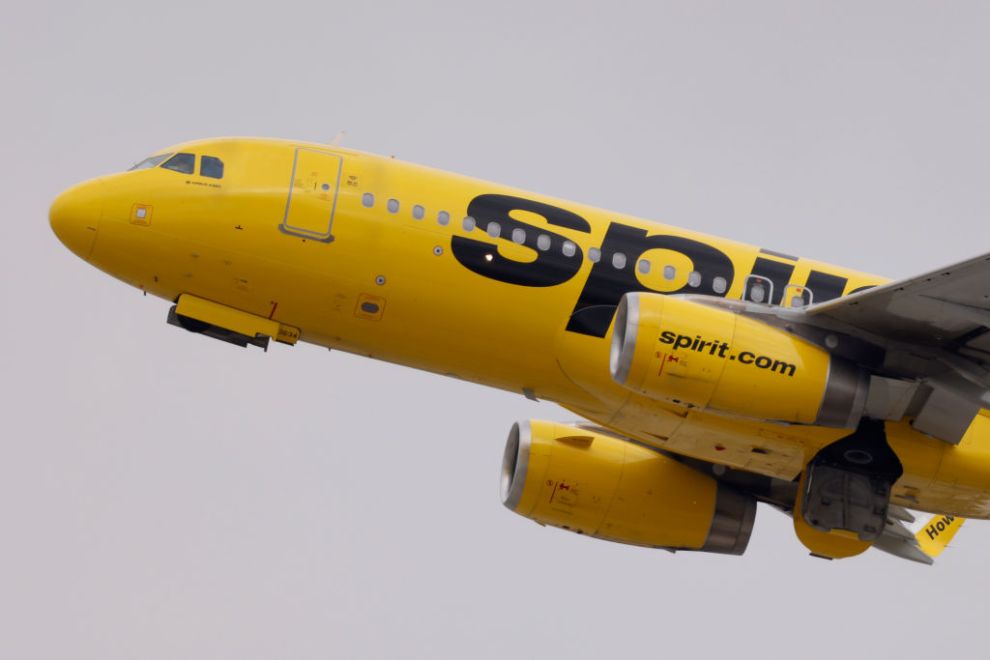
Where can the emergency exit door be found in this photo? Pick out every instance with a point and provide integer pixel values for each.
(312, 199)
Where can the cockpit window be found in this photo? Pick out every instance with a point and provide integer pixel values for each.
(148, 163)
(183, 163)
(211, 167)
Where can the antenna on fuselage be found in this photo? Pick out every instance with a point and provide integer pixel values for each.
(338, 139)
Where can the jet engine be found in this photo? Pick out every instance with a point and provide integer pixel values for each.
(588, 481)
(713, 358)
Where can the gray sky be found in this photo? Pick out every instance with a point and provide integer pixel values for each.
(167, 496)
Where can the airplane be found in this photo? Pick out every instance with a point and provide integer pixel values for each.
(708, 375)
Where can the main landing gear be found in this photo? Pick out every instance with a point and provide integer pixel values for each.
(847, 484)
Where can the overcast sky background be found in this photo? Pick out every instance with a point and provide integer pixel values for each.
(168, 496)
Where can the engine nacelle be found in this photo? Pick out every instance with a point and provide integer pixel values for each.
(588, 481)
(712, 358)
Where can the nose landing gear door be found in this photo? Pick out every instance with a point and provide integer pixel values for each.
(312, 200)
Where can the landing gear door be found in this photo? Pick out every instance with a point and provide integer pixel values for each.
(312, 200)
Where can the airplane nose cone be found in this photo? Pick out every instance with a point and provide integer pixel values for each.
(75, 216)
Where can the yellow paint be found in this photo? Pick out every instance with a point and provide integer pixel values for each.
(235, 320)
(712, 358)
(836, 544)
(307, 260)
(934, 536)
(595, 484)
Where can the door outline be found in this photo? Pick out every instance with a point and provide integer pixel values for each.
(752, 280)
(794, 290)
(302, 232)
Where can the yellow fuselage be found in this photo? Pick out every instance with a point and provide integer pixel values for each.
(383, 258)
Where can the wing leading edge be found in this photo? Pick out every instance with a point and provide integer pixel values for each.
(949, 307)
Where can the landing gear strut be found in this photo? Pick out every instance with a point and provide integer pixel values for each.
(848, 483)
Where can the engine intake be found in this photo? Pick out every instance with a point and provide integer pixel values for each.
(588, 481)
(712, 358)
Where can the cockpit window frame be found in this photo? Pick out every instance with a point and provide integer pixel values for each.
(210, 170)
(188, 168)
(150, 162)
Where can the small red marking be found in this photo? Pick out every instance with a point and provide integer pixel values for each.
(664, 359)
(560, 486)
(274, 307)
(719, 448)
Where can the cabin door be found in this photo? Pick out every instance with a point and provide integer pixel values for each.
(312, 200)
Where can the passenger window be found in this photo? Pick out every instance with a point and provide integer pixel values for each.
(519, 235)
(719, 285)
(694, 279)
(669, 272)
(796, 295)
(418, 212)
(494, 229)
(543, 242)
(594, 255)
(368, 200)
(569, 249)
(182, 163)
(443, 218)
(644, 266)
(618, 261)
(211, 167)
(758, 289)
(468, 223)
(393, 206)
